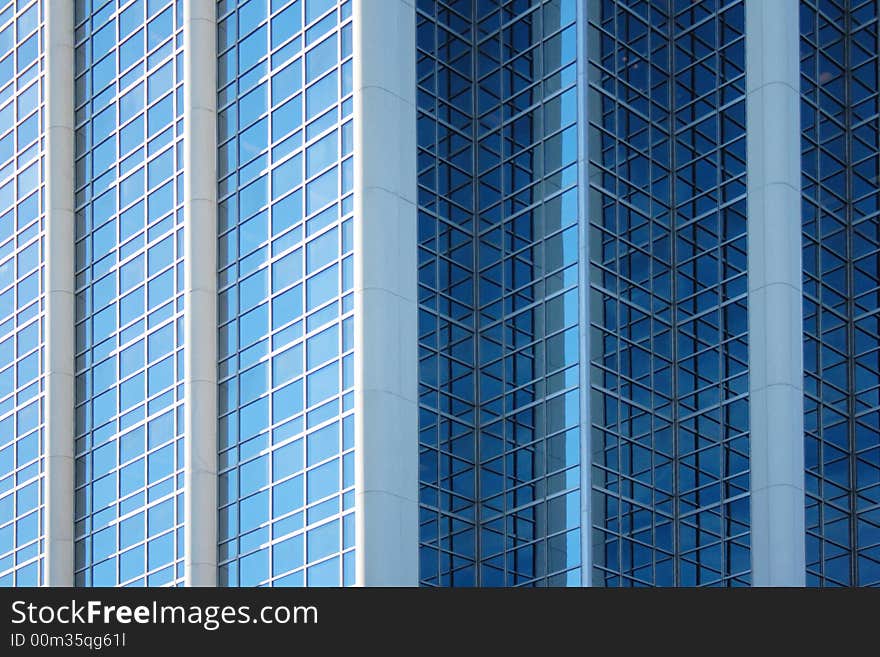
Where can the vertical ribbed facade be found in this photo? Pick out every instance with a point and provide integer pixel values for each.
(439, 292)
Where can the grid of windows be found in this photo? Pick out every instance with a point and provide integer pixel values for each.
(21, 293)
(498, 293)
(841, 278)
(669, 403)
(527, 293)
(286, 361)
(447, 321)
(129, 301)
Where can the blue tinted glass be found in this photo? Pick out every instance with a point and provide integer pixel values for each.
(264, 291)
(140, 381)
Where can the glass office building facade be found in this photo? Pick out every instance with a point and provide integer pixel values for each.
(129, 294)
(286, 312)
(22, 298)
(668, 307)
(841, 237)
(439, 292)
(499, 302)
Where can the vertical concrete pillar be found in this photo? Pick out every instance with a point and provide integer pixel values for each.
(386, 339)
(775, 296)
(200, 290)
(586, 454)
(59, 280)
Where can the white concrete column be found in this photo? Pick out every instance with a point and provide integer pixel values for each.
(59, 319)
(775, 293)
(386, 349)
(586, 452)
(200, 290)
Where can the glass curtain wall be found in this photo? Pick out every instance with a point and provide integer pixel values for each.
(22, 301)
(129, 292)
(498, 293)
(841, 259)
(668, 316)
(286, 322)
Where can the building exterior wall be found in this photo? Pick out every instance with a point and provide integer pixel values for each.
(839, 156)
(23, 324)
(286, 303)
(385, 321)
(200, 292)
(439, 292)
(499, 293)
(447, 330)
(129, 350)
(668, 306)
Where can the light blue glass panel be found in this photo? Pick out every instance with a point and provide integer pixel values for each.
(21, 294)
(279, 363)
(129, 416)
